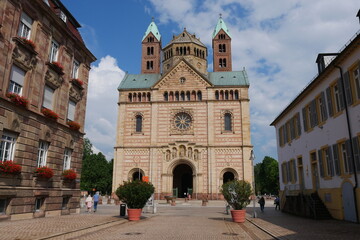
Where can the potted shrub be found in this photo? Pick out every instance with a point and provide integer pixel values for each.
(10, 168)
(44, 172)
(69, 174)
(237, 193)
(135, 194)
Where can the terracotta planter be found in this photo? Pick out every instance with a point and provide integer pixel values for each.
(238, 215)
(134, 214)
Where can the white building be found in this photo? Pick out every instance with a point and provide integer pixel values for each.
(318, 137)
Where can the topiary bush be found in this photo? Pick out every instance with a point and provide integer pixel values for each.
(237, 193)
(135, 193)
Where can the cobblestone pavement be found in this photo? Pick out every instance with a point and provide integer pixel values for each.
(185, 220)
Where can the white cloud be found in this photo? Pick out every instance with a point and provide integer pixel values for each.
(283, 36)
(101, 113)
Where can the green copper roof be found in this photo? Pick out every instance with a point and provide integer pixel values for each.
(236, 78)
(220, 25)
(152, 28)
(138, 81)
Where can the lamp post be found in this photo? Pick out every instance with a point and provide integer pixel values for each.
(252, 159)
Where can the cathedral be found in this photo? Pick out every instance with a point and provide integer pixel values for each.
(181, 127)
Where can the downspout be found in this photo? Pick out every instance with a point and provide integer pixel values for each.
(351, 142)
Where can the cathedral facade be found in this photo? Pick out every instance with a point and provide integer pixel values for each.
(186, 129)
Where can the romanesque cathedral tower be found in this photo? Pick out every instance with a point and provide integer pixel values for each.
(185, 128)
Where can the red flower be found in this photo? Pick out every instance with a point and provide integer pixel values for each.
(77, 81)
(17, 99)
(44, 172)
(49, 113)
(28, 42)
(69, 174)
(73, 125)
(58, 65)
(9, 167)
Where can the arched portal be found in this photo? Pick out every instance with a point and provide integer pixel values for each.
(228, 176)
(182, 180)
(137, 175)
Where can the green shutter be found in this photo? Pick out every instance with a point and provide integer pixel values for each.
(347, 86)
(304, 119)
(321, 166)
(336, 159)
(323, 106)
(356, 149)
(329, 102)
(341, 96)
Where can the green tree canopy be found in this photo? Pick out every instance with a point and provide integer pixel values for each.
(267, 176)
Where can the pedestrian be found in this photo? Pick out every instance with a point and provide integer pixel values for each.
(88, 202)
(277, 203)
(96, 200)
(262, 203)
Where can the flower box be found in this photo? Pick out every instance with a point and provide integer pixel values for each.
(17, 99)
(28, 42)
(10, 168)
(73, 125)
(44, 172)
(49, 114)
(77, 81)
(57, 67)
(69, 174)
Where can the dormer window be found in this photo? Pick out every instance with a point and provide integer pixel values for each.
(63, 16)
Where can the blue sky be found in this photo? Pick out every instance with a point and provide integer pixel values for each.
(276, 41)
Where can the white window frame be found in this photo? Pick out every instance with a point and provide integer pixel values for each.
(71, 110)
(67, 158)
(54, 51)
(337, 98)
(48, 100)
(7, 146)
(25, 26)
(17, 77)
(63, 16)
(42, 153)
(75, 70)
(356, 75)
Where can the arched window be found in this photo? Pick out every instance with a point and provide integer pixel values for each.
(226, 95)
(220, 48)
(152, 51)
(220, 63)
(171, 96)
(221, 95)
(224, 62)
(177, 51)
(188, 96)
(130, 97)
(231, 95)
(166, 96)
(236, 95)
(182, 96)
(139, 97)
(148, 97)
(181, 51)
(199, 96)
(227, 122)
(217, 95)
(224, 48)
(148, 50)
(134, 97)
(184, 50)
(143, 98)
(193, 95)
(176, 96)
(139, 120)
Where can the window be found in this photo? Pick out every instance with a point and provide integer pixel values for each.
(67, 158)
(149, 65)
(321, 108)
(65, 202)
(139, 120)
(75, 70)
(3, 203)
(292, 171)
(356, 77)
(227, 122)
(48, 97)
(7, 146)
(284, 172)
(54, 50)
(166, 96)
(39, 202)
(62, 16)
(25, 26)
(16, 80)
(326, 162)
(199, 96)
(345, 157)
(71, 110)
(42, 153)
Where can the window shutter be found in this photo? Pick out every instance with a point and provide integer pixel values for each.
(329, 101)
(341, 96)
(304, 119)
(336, 159)
(323, 106)
(294, 168)
(321, 166)
(356, 149)
(288, 174)
(280, 137)
(347, 88)
(285, 133)
(313, 112)
(348, 156)
(48, 97)
(17, 75)
(298, 124)
(331, 162)
(71, 110)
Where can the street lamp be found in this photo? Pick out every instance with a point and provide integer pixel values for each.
(252, 159)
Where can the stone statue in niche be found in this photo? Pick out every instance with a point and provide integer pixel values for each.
(167, 155)
(174, 152)
(190, 152)
(196, 155)
(182, 151)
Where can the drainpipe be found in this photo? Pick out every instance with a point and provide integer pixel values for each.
(350, 138)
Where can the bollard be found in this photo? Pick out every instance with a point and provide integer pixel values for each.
(122, 209)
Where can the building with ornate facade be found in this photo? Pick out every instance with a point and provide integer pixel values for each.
(44, 70)
(186, 129)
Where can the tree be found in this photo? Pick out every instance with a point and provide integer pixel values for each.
(267, 176)
(96, 171)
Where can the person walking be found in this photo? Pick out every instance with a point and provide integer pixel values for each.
(277, 203)
(88, 202)
(96, 200)
(262, 203)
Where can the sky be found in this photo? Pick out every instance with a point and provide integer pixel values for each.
(276, 41)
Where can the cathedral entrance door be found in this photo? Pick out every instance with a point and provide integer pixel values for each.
(182, 179)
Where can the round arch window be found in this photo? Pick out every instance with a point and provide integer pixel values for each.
(182, 121)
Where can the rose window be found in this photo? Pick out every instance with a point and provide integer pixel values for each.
(182, 121)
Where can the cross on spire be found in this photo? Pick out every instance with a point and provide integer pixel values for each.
(220, 15)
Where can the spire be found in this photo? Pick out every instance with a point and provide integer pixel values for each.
(152, 28)
(221, 25)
